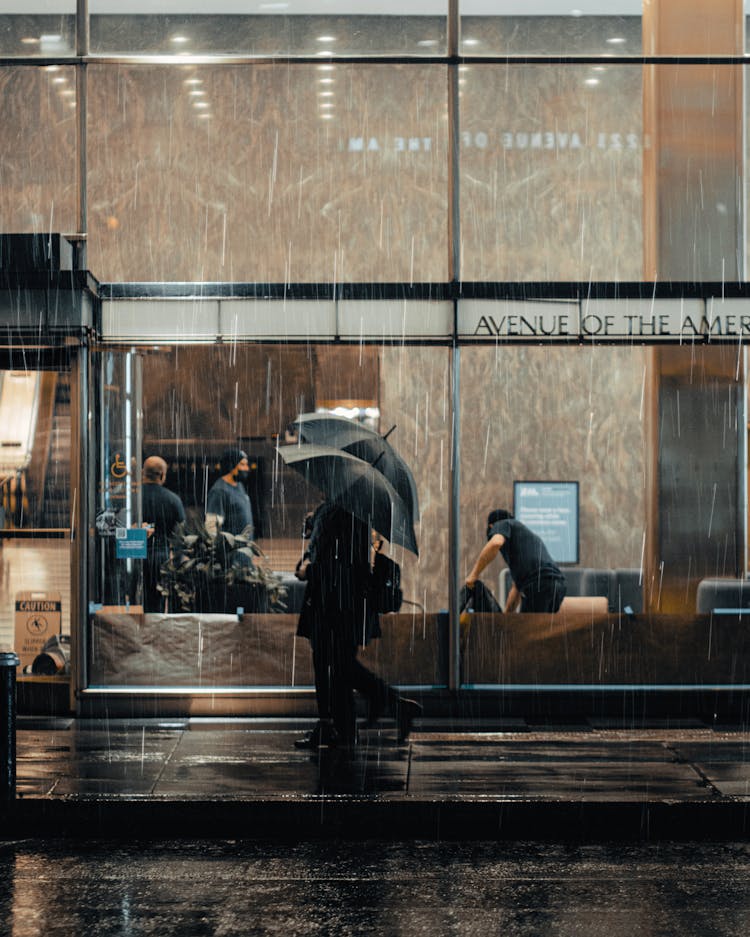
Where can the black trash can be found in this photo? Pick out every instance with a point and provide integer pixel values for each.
(8, 663)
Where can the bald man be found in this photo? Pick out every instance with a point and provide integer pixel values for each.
(162, 511)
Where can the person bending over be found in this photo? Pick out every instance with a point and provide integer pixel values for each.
(538, 585)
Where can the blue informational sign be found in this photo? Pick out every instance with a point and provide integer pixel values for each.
(131, 543)
(550, 509)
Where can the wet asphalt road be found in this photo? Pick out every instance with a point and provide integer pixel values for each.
(342, 888)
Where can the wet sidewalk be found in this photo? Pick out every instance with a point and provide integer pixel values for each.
(243, 778)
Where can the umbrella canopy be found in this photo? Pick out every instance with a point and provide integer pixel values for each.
(357, 487)
(326, 429)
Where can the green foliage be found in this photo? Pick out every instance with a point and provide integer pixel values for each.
(203, 564)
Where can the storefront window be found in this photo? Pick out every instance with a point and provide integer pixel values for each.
(635, 457)
(197, 401)
(25, 34)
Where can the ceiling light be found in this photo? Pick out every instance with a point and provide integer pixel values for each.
(326, 116)
(325, 94)
(591, 81)
(326, 38)
(52, 68)
(427, 42)
(326, 81)
(327, 104)
(616, 41)
(193, 81)
(197, 94)
(576, 12)
(59, 81)
(68, 92)
(325, 52)
(200, 104)
(274, 6)
(180, 39)
(326, 68)
(471, 42)
(29, 40)
(50, 37)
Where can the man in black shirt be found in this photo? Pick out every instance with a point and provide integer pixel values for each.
(162, 511)
(538, 584)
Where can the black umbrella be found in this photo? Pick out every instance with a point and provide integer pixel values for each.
(357, 487)
(326, 429)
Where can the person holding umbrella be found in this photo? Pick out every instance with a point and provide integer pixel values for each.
(377, 493)
(337, 617)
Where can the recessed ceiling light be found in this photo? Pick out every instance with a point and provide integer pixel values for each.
(591, 81)
(200, 104)
(326, 38)
(327, 104)
(52, 68)
(325, 94)
(193, 81)
(180, 39)
(427, 42)
(326, 116)
(68, 92)
(197, 94)
(59, 80)
(325, 52)
(616, 41)
(471, 42)
(598, 68)
(325, 68)
(204, 116)
(326, 81)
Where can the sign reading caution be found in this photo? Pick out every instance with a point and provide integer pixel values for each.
(38, 617)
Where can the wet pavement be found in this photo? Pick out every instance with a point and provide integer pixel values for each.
(225, 778)
(200, 887)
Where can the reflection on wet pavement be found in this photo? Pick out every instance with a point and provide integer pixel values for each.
(233, 887)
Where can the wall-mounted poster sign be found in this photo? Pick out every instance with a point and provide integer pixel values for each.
(550, 509)
(131, 543)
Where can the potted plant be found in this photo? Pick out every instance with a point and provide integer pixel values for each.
(218, 573)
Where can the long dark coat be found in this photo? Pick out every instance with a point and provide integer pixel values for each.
(338, 578)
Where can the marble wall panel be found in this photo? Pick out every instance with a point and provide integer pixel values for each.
(37, 150)
(242, 173)
(551, 172)
(415, 394)
(557, 414)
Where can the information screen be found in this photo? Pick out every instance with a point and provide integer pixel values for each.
(550, 509)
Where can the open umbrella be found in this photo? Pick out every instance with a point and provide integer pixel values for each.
(357, 487)
(326, 429)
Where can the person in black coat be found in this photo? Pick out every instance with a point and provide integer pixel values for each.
(338, 617)
(162, 511)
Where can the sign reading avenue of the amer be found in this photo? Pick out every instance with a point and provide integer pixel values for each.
(606, 319)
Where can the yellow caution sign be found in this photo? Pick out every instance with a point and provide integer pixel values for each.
(38, 616)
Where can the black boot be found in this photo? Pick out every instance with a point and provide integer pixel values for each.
(407, 710)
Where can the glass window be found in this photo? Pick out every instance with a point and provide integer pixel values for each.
(35, 485)
(654, 439)
(200, 400)
(295, 27)
(546, 27)
(267, 173)
(38, 29)
(38, 149)
(551, 172)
